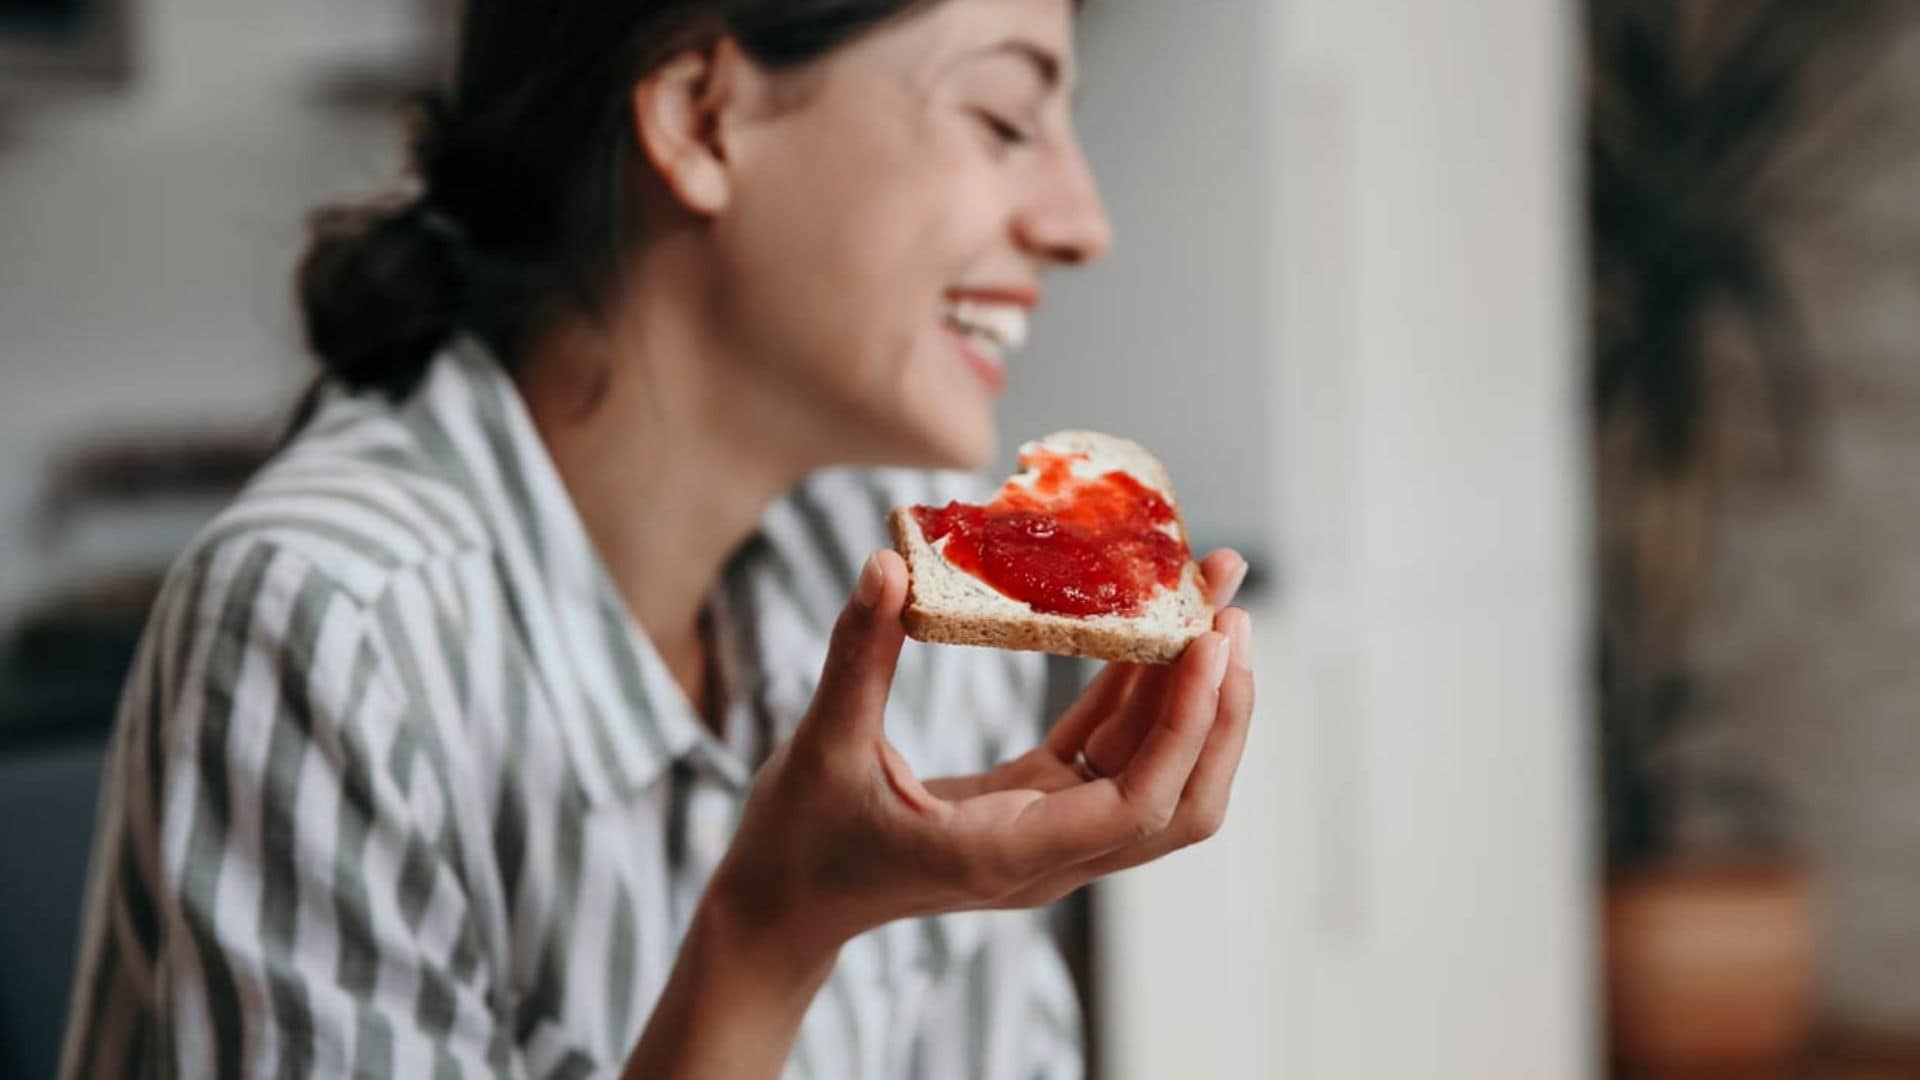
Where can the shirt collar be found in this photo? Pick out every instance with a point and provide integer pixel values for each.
(624, 718)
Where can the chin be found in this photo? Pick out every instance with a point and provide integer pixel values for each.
(942, 420)
(952, 450)
(973, 455)
(949, 442)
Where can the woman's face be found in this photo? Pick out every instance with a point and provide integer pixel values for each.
(886, 235)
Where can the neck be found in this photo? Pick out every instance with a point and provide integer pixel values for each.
(670, 459)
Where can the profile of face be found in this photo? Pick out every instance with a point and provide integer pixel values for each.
(879, 223)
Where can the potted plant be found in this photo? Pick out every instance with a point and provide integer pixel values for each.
(1695, 110)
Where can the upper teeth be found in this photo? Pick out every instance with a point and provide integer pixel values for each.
(1002, 325)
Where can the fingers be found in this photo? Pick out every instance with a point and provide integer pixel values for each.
(1203, 804)
(1111, 746)
(1158, 771)
(1088, 820)
(1119, 707)
(1096, 703)
(1225, 571)
(858, 673)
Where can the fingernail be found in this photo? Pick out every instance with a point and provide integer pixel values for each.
(1217, 661)
(1239, 579)
(1242, 630)
(866, 592)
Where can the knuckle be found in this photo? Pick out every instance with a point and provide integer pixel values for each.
(1151, 821)
(1206, 822)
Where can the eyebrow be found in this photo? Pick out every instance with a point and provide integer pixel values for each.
(1046, 63)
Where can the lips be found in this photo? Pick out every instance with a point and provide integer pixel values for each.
(980, 359)
(988, 325)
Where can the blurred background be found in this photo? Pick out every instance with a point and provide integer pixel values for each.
(1570, 420)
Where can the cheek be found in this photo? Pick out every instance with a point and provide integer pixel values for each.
(844, 257)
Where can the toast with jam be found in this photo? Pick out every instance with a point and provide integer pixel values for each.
(1081, 553)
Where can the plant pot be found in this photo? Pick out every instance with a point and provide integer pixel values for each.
(1710, 966)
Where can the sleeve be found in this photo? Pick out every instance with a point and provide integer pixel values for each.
(1006, 1010)
(275, 885)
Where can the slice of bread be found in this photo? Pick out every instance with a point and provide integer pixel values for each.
(949, 605)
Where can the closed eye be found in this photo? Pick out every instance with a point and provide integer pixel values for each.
(1003, 130)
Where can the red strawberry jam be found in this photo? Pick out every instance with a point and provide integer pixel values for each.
(1067, 545)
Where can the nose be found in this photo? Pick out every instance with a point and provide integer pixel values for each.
(1066, 222)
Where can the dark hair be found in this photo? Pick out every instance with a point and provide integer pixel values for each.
(522, 212)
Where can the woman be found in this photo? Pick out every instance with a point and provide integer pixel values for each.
(506, 723)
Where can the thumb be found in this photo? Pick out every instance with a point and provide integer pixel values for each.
(852, 697)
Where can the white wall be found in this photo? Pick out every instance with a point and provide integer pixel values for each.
(149, 237)
(1402, 889)
(1160, 341)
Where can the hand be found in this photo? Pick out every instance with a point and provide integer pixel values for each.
(838, 836)
(1109, 721)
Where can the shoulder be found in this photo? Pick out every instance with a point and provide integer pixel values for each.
(354, 499)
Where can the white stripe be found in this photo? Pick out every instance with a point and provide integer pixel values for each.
(272, 505)
(256, 703)
(812, 569)
(424, 533)
(181, 969)
(400, 486)
(944, 1042)
(591, 930)
(646, 876)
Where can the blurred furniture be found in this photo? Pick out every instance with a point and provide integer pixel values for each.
(1835, 1055)
(1711, 966)
(47, 796)
(49, 45)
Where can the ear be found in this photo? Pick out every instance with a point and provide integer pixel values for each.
(679, 114)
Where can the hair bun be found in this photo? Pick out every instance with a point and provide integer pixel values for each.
(382, 286)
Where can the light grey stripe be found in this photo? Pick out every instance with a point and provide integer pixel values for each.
(511, 467)
(510, 818)
(620, 973)
(549, 997)
(839, 557)
(623, 660)
(980, 983)
(422, 867)
(411, 472)
(358, 964)
(280, 793)
(358, 494)
(802, 570)
(213, 812)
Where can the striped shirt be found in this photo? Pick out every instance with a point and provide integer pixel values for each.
(400, 788)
